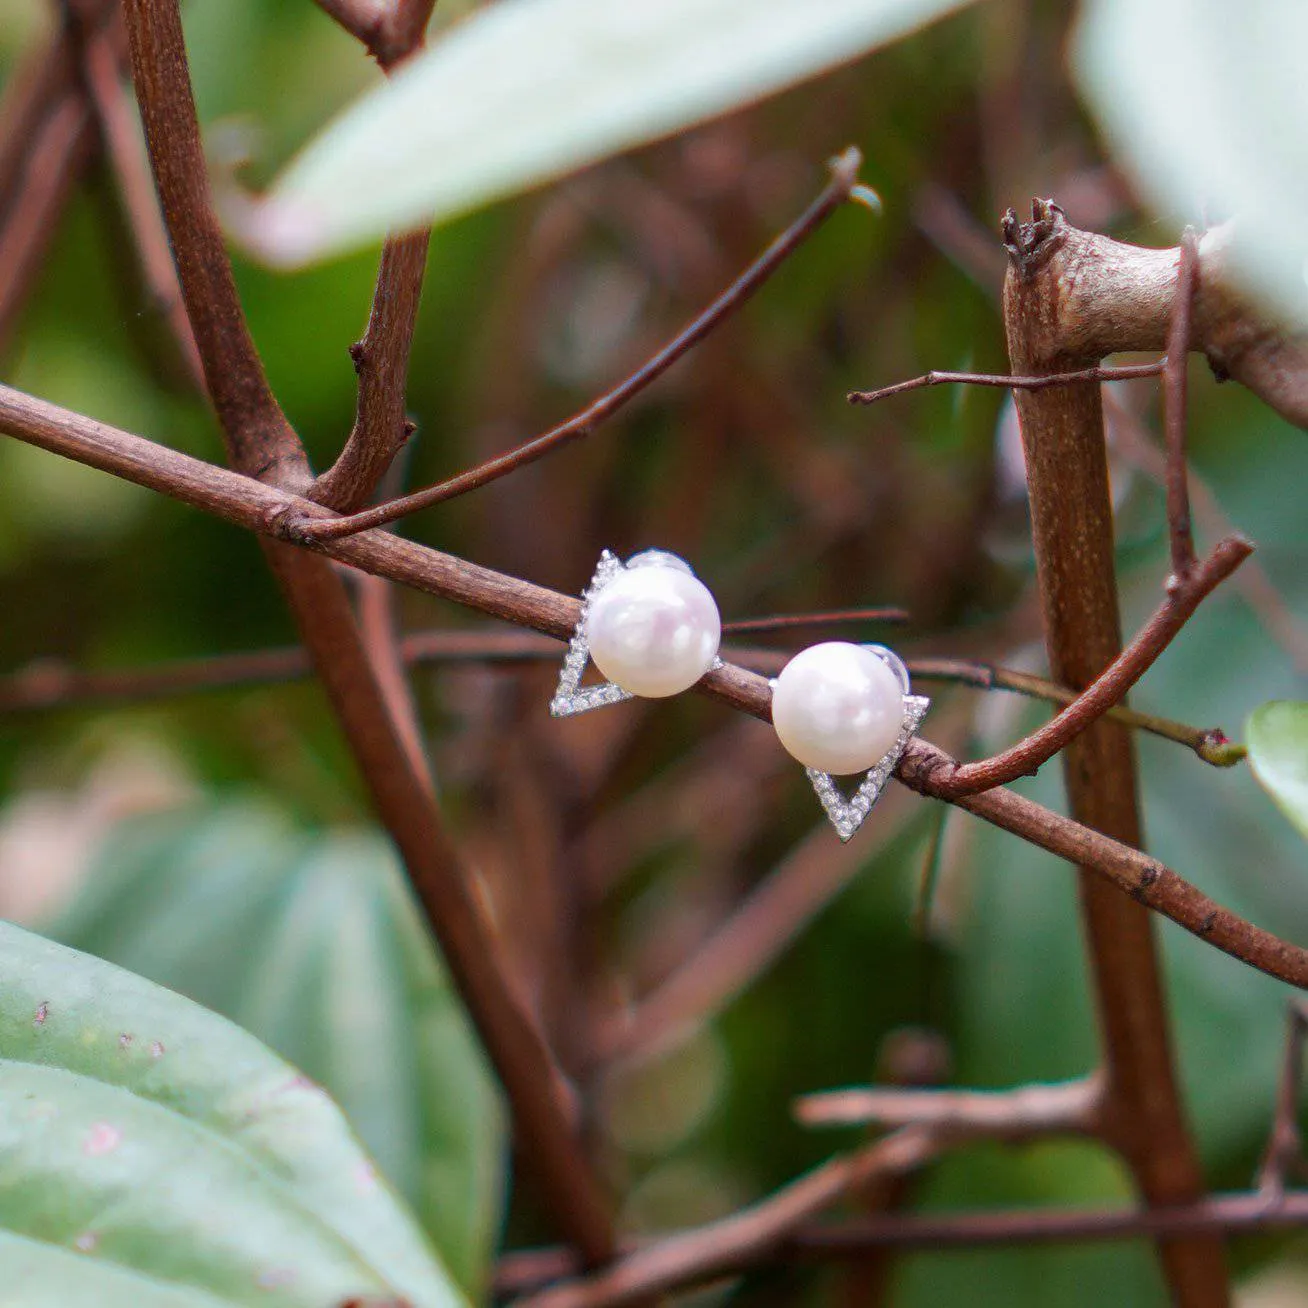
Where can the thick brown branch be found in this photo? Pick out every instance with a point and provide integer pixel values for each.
(1111, 685)
(259, 508)
(844, 179)
(1072, 530)
(262, 445)
(1118, 297)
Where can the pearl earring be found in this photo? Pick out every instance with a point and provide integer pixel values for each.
(649, 625)
(844, 708)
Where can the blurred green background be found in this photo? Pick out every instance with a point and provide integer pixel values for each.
(612, 849)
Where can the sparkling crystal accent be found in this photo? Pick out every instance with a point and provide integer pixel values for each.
(847, 814)
(571, 697)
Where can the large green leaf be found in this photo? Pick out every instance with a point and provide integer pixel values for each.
(522, 91)
(1207, 111)
(151, 1152)
(314, 945)
(1277, 735)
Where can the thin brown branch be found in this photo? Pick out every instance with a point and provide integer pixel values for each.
(262, 445)
(1211, 744)
(49, 684)
(381, 358)
(100, 39)
(260, 440)
(1111, 686)
(804, 621)
(260, 508)
(46, 138)
(381, 640)
(1285, 1141)
(844, 179)
(1230, 1214)
(1135, 445)
(1099, 373)
(746, 1236)
(1070, 1106)
(1072, 531)
(1174, 391)
(746, 944)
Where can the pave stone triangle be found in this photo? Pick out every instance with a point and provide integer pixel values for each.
(571, 697)
(847, 814)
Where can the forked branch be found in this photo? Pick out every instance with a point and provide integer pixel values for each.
(843, 182)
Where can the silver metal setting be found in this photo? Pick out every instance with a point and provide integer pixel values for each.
(847, 815)
(571, 697)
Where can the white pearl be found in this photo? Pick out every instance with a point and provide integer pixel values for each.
(654, 629)
(837, 707)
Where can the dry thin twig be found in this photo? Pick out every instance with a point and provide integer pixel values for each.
(1126, 372)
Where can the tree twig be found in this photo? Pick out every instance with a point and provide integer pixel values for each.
(1211, 744)
(1015, 1114)
(1285, 1143)
(381, 358)
(844, 179)
(93, 26)
(1113, 682)
(1180, 533)
(1099, 373)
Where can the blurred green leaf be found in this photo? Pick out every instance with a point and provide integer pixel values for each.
(1278, 753)
(1208, 115)
(156, 1154)
(526, 90)
(316, 947)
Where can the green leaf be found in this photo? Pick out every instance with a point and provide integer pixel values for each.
(153, 1153)
(1277, 735)
(523, 91)
(1207, 112)
(315, 946)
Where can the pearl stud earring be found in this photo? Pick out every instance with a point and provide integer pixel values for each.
(649, 625)
(842, 708)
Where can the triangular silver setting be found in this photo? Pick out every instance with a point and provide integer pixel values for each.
(847, 815)
(571, 697)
